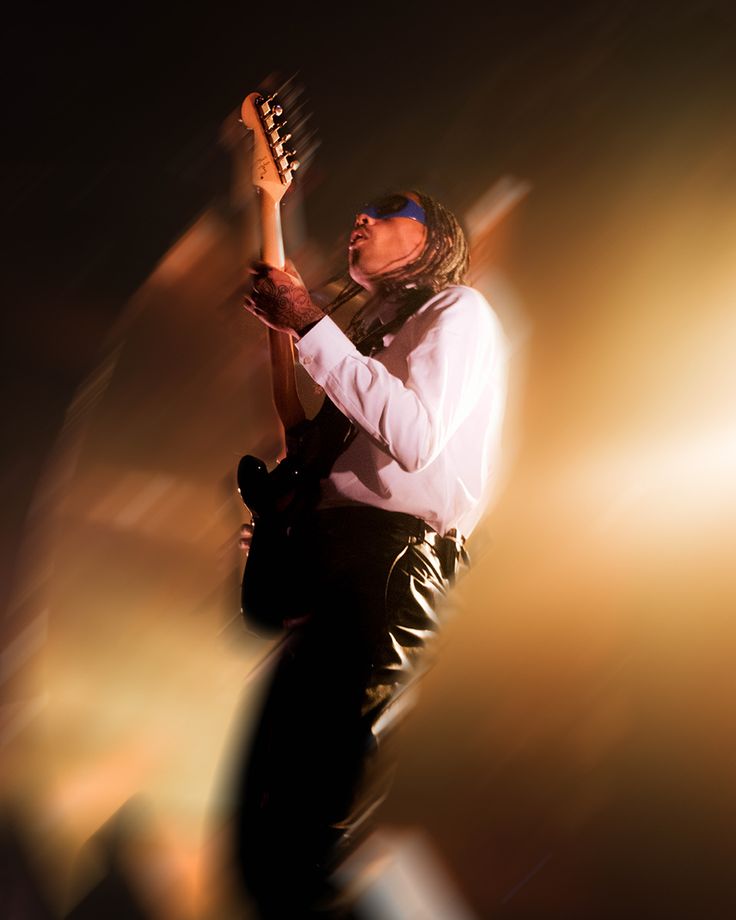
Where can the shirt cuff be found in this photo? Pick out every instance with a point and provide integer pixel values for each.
(322, 348)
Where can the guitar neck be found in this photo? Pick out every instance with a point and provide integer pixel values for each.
(272, 241)
(281, 344)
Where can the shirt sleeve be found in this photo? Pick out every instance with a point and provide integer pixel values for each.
(450, 345)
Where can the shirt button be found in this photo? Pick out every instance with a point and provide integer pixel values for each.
(306, 360)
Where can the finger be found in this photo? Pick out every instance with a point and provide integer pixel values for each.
(257, 271)
(260, 268)
(253, 308)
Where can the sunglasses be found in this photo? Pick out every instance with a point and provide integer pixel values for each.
(395, 206)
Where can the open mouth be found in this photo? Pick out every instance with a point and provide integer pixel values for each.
(356, 237)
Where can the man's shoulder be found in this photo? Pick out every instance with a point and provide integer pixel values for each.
(458, 303)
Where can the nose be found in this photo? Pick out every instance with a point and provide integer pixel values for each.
(363, 220)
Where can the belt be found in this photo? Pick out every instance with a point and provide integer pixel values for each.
(449, 549)
(369, 515)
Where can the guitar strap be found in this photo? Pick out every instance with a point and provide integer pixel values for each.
(314, 445)
(372, 339)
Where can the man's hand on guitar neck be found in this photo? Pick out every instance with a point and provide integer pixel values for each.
(280, 299)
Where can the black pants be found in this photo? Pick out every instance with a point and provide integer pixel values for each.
(372, 584)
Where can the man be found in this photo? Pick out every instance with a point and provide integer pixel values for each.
(424, 388)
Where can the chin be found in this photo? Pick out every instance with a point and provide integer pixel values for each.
(357, 275)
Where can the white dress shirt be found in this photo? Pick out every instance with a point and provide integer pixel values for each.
(428, 407)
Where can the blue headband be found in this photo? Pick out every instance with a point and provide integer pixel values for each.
(395, 206)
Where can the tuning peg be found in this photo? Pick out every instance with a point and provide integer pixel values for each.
(285, 138)
(278, 110)
(294, 165)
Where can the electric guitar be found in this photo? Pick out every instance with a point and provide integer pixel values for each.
(277, 498)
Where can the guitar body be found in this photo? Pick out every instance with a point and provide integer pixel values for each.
(269, 593)
(278, 501)
(269, 588)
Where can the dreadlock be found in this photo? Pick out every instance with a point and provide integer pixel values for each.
(443, 261)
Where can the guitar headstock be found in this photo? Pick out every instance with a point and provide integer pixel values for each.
(274, 164)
